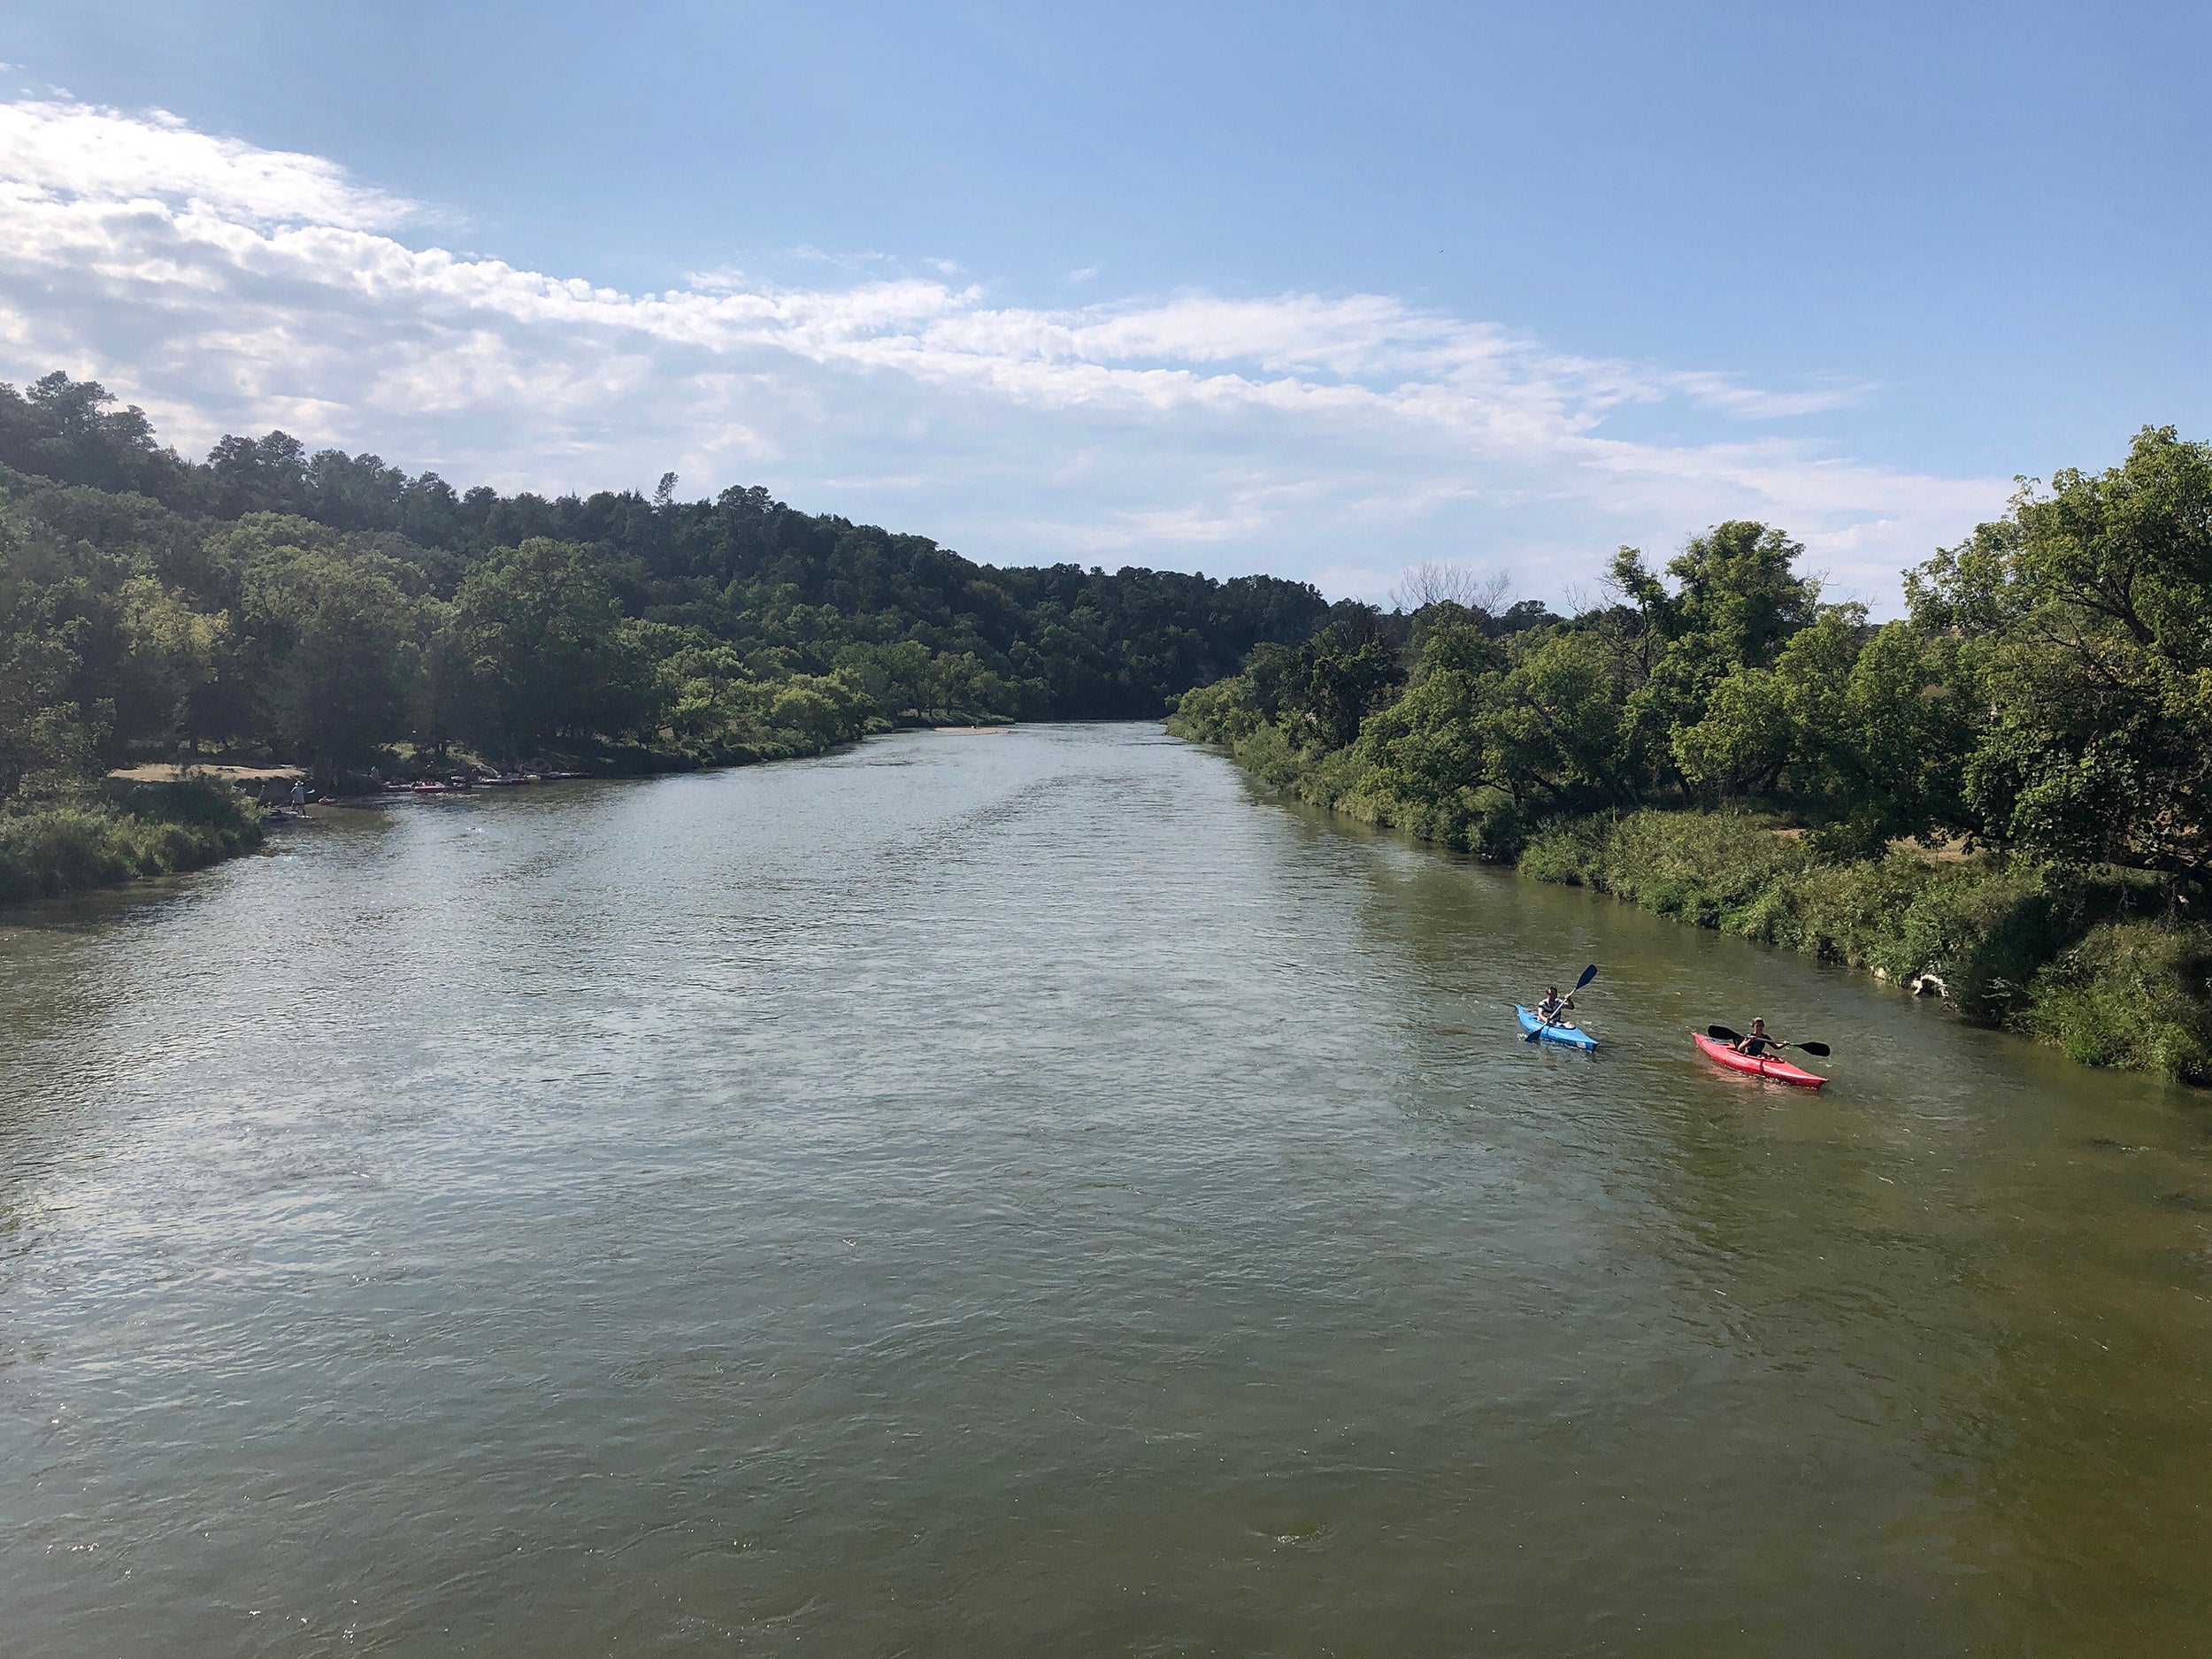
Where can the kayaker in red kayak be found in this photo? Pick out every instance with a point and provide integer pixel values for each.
(1756, 1043)
(1758, 1052)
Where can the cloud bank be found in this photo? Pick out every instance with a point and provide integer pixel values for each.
(228, 288)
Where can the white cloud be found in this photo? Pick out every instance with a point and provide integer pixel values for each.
(228, 288)
(59, 149)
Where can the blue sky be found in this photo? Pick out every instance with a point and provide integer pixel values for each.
(1319, 289)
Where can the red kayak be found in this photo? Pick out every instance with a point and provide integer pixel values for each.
(1781, 1070)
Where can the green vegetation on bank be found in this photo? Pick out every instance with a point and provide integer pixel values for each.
(331, 612)
(99, 838)
(2085, 956)
(2007, 788)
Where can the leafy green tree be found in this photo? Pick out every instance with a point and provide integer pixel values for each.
(447, 691)
(47, 745)
(1899, 741)
(171, 660)
(70, 430)
(1555, 727)
(249, 475)
(1270, 671)
(2086, 617)
(1432, 752)
(1337, 678)
(1225, 712)
(1746, 737)
(1740, 598)
(338, 689)
(896, 677)
(821, 712)
(964, 686)
(1869, 729)
(547, 642)
(1737, 601)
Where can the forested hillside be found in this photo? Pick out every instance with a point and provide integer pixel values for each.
(2009, 787)
(334, 611)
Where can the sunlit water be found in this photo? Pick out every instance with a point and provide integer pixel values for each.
(1027, 1193)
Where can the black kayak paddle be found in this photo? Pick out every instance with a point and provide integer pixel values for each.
(1588, 974)
(1720, 1034)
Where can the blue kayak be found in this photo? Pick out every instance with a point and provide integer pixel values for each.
(1567, 1034)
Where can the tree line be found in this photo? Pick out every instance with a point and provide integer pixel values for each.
(2048, 692)
(327, 609)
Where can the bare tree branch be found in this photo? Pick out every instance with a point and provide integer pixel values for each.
(1446, 582)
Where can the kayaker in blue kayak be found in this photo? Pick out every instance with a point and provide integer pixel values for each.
(1553, 1006)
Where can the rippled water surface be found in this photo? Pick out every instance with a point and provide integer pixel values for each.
(1026, 1193)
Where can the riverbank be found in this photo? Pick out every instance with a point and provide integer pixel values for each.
(2086, 959)
(2089, 960)
(157, 820)
(121, 835)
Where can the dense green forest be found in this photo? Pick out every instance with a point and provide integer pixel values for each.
(2008, 787)
(331, 610)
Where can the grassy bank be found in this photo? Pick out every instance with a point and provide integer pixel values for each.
(125, 831)
(121, 835)
(614, 757)
(2089, 960)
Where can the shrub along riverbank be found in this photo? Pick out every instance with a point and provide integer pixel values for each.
(100, 839)
(1726, 749)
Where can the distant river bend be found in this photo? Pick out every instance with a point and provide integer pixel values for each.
(1027, 1193)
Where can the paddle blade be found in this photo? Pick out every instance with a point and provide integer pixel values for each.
(1720, 1034)
(1820, 1049)
(1588, 974)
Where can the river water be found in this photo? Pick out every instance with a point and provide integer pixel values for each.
(1026, 1193)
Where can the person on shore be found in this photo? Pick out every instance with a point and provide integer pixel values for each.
(1554, 1005)
(1756, 1043)
(299, 794)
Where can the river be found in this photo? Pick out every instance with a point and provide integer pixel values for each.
(1028, 1193)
